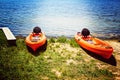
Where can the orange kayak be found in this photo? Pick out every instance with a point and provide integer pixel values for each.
(95, 45)
(35, 43)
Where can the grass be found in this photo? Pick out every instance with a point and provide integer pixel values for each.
(63, 60)
(3, 41)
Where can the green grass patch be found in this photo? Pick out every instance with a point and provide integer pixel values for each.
(73, 43)
(3, 41)
(52, 40)
(62, 39)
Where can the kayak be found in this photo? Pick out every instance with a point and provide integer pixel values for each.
(95, 45)
(35, 42)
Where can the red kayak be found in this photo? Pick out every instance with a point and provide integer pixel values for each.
(35, 42)
(95, 45)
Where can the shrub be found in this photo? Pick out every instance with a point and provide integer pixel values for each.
(73, 42)
(62, 39)
(52, 40)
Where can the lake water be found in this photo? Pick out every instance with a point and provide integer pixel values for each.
(61, 17)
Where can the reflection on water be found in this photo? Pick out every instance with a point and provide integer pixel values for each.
(61, 17)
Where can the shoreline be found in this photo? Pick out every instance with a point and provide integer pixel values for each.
(117, 38)
(109, 36)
